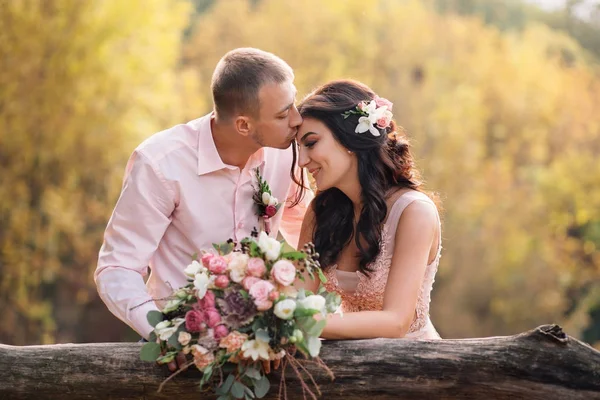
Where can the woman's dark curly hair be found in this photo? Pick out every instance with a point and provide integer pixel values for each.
(384, 163)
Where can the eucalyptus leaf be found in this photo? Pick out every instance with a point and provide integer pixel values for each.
(237, 389)
(154, 317)
(227, 384)
(317, 328)
(253, 373)
(152, 337)
(150, 351)
(261, 387)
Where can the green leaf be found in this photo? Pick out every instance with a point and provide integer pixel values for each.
(237, 389)
(304, 312)
(262, 334)
(249, 393)
(152, 337)
(253, 373)
(244, 294)
(167, 358)
(224, 388)
(150, 351)
(322, 277)
(261, 387)
(216, 247)
(173, 342)
(206, 374)
(195, 257)
(154, 317)
(317, 328)
(294, 255)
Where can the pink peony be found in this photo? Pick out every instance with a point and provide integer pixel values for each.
(221, 331)
(194, 321)
(380, 101)
(207, 301)
(260, 292)
(222, 281)
(271, 211)
(249, 281)
(284, 272)
(256, 267)
(206, 257)
(212, 317)
(217, 265)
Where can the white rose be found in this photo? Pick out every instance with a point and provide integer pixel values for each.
(184, 338)
(237, 267)
(285, 309)
(201, 284)
(265, 198)
(194, 268)
(273, 201)
(271, 247)
(313, 302)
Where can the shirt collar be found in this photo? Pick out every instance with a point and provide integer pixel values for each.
(209, 159)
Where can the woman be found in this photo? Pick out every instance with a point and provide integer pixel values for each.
(378, 235)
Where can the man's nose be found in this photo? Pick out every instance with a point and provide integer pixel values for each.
(296, 119)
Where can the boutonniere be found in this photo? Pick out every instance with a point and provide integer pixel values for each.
(266, 204)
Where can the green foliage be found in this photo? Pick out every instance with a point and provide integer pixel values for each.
(81, 83)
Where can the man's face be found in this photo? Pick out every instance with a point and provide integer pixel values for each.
(278, 120)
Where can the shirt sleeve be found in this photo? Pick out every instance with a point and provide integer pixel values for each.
(291, 220)
(138, 223)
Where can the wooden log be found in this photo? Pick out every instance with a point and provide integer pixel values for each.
(543, 363)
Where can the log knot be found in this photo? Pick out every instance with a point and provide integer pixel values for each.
(553, 333)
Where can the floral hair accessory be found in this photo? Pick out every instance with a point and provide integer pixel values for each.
(374, 115)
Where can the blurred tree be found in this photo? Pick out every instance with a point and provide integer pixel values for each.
(505, 126)
(81, 83)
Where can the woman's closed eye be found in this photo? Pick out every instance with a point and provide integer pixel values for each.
(309, 145)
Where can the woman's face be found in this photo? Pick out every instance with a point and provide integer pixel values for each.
(330, 163)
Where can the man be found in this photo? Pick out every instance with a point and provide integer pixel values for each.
(192, 185)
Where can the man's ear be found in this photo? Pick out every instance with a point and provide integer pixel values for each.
(243, 125)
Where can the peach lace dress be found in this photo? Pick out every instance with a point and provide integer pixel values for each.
(362, 293)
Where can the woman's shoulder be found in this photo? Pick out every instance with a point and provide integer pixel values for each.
(413, 204)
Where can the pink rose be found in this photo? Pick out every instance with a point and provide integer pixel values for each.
(380, 101)
(207, 301)
(212, 317)
(217, 265)
(222, 281)
(284, 272)
(271, 211)
(194, 321)
(220, 332)
(256, 267)
(249, 281)
(362, 105)
(274, 295)
(206, 257)
(385, 120)
(260, 292)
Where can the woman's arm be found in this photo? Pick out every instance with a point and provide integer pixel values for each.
(416, 233)
(306, 232)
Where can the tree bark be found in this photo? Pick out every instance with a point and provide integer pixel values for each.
(543, 363)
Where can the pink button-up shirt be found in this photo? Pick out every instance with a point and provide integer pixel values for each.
(178, 198)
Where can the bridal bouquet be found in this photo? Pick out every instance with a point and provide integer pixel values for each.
(240, 313)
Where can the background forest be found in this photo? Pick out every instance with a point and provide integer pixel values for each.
(501, 100)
